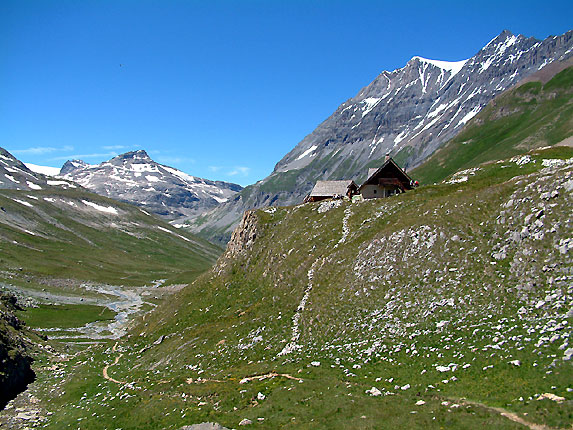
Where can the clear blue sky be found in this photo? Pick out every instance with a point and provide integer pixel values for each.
(218, 89)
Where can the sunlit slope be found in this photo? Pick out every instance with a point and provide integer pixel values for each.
(530, 116)
(77, 234)
(426, 310)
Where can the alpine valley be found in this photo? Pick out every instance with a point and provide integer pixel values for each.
(447, 306)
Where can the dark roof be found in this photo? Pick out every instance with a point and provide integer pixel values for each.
(331, 188)
(388, 170)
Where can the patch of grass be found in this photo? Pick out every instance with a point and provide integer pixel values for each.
(64, 316)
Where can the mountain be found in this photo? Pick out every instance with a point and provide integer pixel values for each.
(537, 113)
(16, 176)
(448, 306)
(135, 178)
(410, 113)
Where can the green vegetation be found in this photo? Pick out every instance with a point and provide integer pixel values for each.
(447, 297)
(528, 117)
(64, 316)
(55, 235)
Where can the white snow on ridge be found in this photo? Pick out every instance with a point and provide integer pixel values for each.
(33, 186)
(12, 179)
(469, 115)
(108, 209)
(61, 183)
(44, 170)
(144, 168)
(180, 174)
(22, 202)
(307, 152)
(452, 66)
(173, 233)
(370, 103)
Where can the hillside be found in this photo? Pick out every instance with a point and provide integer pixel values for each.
(445, 307)
(533, 115)
(77, 234)
(75, 268)
(409, 112)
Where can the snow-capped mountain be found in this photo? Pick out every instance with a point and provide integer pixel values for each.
(135, 178)
(16, 176)
(417, 108)
(409, 113)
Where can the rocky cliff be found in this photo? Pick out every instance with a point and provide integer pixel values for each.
(15, 352)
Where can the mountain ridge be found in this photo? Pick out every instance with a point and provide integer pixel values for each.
(135, 178)
(409, 112)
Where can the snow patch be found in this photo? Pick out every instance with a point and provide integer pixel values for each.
(451, 66)
(22, 202)
(469, 115)
(180, 174)
(173, 233)
(369, 104)
(33, 186)
(44, 170)
(106, 209)
(307, 152)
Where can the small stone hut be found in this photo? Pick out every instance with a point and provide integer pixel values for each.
(332, 189)
(385, 181)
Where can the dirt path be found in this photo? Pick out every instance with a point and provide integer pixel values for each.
(105, 374)
(510, 415)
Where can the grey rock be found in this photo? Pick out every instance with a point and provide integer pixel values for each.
(14, 175)
(204, 426)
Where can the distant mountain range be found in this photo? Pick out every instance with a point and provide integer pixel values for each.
(409, 113)
(135, 178)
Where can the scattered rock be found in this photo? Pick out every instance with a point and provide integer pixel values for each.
(551, 396)
(374, 392)
(204, 426)
(245, 422)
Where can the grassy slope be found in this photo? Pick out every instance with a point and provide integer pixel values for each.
(444, 274)
(530, 116)
(128, 248)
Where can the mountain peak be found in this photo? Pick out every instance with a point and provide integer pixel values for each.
(71, 165)
(451, 66)
(140, 154)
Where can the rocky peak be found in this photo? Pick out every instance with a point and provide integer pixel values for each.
(71, 165)
(15, 175)
(139, 156)
(136, 178)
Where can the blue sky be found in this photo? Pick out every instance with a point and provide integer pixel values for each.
(219, 89)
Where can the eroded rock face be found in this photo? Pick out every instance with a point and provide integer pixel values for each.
(15, 362)
(244, 235)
